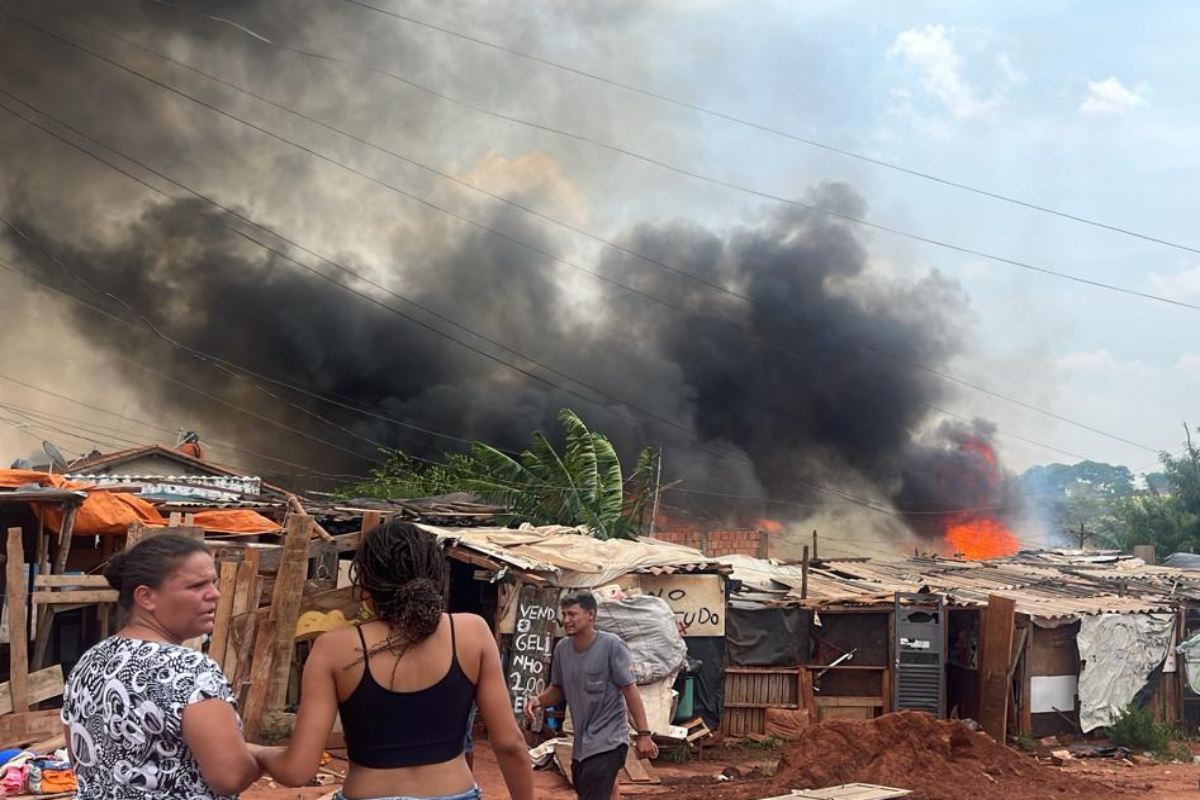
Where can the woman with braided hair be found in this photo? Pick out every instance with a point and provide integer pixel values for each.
(404, 684)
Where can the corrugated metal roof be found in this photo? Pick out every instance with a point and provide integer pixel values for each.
(1042, 590)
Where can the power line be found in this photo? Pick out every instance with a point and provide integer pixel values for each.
(466, 184)
(1012, 262)
(667, 422)
(110, 412)
(758, 126)
(870, 348)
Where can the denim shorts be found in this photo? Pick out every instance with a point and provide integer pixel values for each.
(474, 793)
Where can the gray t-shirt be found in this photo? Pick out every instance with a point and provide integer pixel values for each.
(591, 681)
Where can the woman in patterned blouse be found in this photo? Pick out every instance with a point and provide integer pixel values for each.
(147, 718)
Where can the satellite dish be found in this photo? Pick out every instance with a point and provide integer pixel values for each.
(57, 460)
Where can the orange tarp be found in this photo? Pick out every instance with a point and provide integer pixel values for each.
(111, 513)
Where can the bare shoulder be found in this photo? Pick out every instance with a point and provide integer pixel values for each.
(472, 625)
(336, 645)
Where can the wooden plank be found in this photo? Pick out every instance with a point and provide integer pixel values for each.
(82, 581)
(227, 577)
(84, 596)
(370, 521)
(29, 726)
(18, 626)
(260, 669)
(41, 685)
(995, 653)
(245, 599)
(285, 606)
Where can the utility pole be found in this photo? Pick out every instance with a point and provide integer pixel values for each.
(657, 490)
(814, 547)
(1083, 534)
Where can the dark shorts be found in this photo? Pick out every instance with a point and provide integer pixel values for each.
(595, 776)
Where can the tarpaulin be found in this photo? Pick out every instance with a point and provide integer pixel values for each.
(766, 636)
(710, 680)
(106, 513)
(1190, 650)
(1119, 652)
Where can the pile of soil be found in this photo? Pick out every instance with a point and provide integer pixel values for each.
(936, 759)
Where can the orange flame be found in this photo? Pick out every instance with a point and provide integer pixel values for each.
(981, 538)
(768, 525)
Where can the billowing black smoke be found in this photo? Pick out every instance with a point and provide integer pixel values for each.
(797, 381)
(953, 476)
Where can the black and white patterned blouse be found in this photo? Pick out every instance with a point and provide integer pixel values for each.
(123, 704)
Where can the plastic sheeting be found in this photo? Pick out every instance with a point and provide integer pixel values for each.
(1190, 650)
(710, 679)
(1183, 561)
(765, 636)
(647, 625)
(1119, 652)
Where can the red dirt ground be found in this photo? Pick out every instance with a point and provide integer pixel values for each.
(937, 759)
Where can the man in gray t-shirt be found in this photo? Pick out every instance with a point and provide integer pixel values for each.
(593, 672)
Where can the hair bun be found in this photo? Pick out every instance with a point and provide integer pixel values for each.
(114, 573)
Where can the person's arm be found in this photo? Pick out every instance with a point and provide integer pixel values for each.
(297, 764)
(552, 695)
(495, 705)
(211, 732)
(620, 664)
(646, 748)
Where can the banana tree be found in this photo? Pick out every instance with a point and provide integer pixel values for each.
(584, 485)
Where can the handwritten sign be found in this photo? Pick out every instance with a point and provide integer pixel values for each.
(697, 600)
(532, 645)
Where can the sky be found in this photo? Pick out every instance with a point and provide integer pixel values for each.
(1085, 108)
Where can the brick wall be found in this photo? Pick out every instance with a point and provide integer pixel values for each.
(747, 542)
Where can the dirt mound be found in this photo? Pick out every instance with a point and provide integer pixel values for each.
(936, 759)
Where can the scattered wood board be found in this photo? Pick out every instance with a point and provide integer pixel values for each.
(639, 771)
(31, 726)
(40, 685)
(18, 625)
(846, 791)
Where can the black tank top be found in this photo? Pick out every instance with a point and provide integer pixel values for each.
(386, 729)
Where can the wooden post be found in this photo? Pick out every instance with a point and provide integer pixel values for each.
(46, 613)
(764, 545)
(370, 521)
(804, 575)
(43, 543)
(275, 638)
(814, 550)
(18, 628)
(220, 635)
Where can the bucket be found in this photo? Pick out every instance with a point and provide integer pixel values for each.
(687, 700)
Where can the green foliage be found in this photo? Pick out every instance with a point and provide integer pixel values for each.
(1135, 728)
(1086, 493)
(1168, 516)
(767, 744)
(680, 753)
(582, 485)
(1026, 743)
